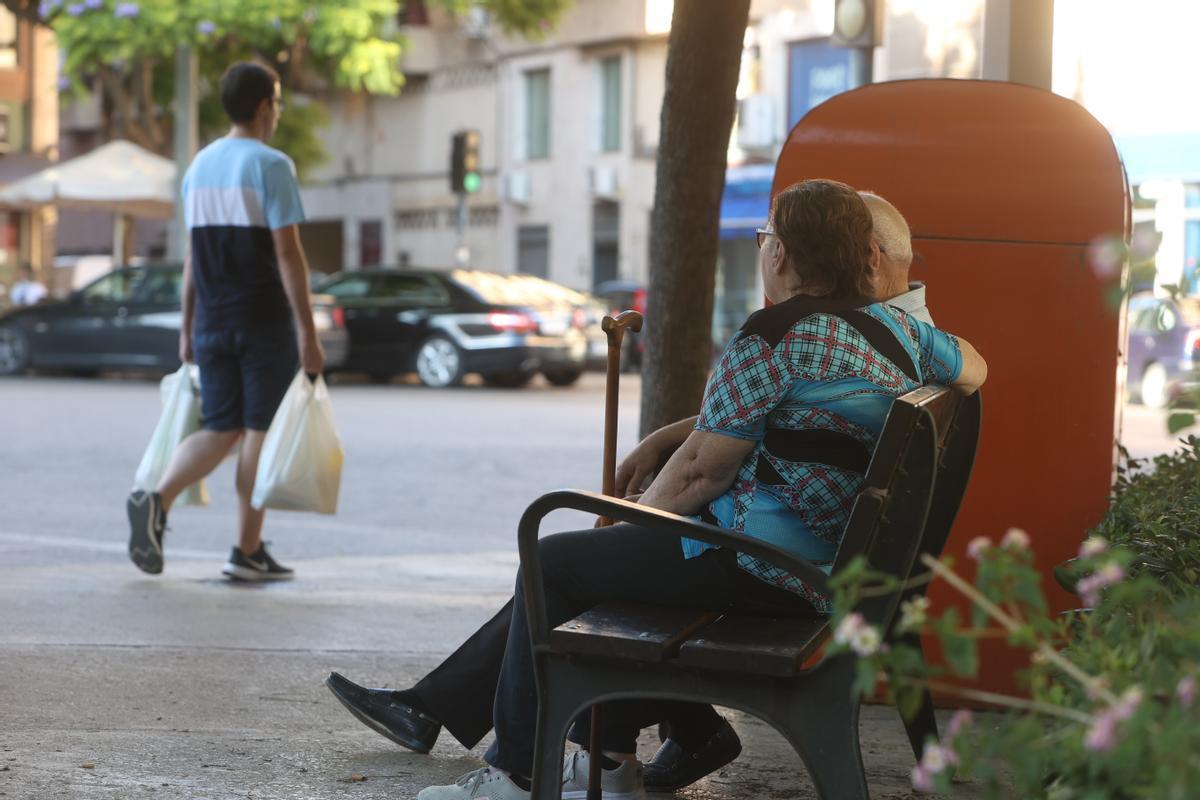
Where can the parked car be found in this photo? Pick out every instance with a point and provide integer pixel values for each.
(443, 325)
(127, 319)
(1164, 348)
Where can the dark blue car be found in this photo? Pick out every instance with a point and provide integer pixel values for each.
(1164, 349)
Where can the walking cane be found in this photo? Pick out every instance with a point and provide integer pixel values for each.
(614, 328)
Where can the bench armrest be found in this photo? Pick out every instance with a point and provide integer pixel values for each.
(657, 523)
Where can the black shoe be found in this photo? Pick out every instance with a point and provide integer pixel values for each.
(673, 767)
(147, 522)
(381, 712)
(257, 567)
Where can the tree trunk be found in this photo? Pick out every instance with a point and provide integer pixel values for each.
(703, 56)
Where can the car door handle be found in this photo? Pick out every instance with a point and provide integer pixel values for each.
(408, 317)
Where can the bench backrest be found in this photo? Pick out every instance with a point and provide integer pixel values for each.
(905, 489)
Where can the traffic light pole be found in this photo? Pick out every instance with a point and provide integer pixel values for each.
(462, 254)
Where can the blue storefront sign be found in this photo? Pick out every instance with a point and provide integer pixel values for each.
(816, 72)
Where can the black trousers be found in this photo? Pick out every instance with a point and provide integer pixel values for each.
(489, 682)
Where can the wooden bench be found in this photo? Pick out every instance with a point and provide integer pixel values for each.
(910, 496)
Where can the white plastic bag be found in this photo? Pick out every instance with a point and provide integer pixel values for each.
(300, 468)
(180, 418)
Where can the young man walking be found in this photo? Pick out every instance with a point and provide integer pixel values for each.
(247, 315)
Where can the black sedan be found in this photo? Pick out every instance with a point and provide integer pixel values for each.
(127, 319)
(443, 325)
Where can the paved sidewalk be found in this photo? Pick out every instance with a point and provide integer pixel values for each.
(201, 719)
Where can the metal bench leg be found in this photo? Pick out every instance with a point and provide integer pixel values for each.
(556, 712)
(822, 725)
(923, 725)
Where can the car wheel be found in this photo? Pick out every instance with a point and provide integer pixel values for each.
(439, 362)
(1154, 386)
(562, 377)
(508, 380)
(14, 350)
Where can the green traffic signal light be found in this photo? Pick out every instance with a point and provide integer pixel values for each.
(471, 182)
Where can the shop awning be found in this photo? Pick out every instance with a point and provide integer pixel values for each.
(118, 176)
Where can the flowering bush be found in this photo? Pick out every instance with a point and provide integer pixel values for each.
(1111, 711)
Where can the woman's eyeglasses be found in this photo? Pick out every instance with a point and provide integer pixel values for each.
(761, 235)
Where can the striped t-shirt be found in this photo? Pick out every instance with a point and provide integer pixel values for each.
(235, 193)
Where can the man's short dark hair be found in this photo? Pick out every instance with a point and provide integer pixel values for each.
(243, 86)
(825, 229)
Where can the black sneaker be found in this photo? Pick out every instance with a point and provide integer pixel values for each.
(257, 567)
(147, 522)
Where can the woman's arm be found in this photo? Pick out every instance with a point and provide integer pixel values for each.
(974, 369)
(644, 459)
(700, 471)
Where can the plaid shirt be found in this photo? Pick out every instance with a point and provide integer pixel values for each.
(795, 375)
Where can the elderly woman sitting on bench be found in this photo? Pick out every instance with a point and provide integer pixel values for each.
(788, 423)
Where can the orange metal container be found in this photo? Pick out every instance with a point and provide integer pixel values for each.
(1008, 190)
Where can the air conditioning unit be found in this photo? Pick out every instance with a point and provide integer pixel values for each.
(602, 181)
(756, 122)
(515, 188)
(475, 23)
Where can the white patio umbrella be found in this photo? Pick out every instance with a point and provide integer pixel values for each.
(118, 176)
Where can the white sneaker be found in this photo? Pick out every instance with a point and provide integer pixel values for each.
(484, 783)
(622, 783)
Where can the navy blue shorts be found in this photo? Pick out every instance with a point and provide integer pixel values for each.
(244, 374)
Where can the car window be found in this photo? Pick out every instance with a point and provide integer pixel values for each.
(1141, 314)
(517, 290)
(1166, 318)
(413, 290)
(349, 288)
(161, 286)
(116, 287)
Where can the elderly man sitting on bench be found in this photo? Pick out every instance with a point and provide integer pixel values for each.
(819, 368)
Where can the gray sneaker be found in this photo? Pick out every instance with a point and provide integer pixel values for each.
(147, 523)
(484, 783)
(622, 783)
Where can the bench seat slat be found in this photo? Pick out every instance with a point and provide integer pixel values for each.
(776, 647)
(629, 631)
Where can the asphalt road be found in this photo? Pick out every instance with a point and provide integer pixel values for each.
(114, 684)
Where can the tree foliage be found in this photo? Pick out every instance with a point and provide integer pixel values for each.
(126, 49)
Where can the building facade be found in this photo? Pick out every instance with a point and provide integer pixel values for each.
(28, 139)
(569, 129)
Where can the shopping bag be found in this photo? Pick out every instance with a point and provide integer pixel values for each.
(180, 392)
(300, 468)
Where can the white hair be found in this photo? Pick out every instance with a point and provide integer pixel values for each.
(891, 230)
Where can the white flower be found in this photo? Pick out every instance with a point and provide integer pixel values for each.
(1015, 539)
(1093, 546)
(913, 613)
(866, 641)
(862, 638)
(977, 545)
(935, 758)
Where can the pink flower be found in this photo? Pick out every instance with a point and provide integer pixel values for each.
(1102, 735)
(1015, 539)
(1186, 691)
(1089, 588)
(961, 719)
(862, 638)
(922, 781)
(1093, 546)
(1128, 704)
(977, 546)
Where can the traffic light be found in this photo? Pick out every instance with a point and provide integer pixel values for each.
(857, 23)
(465, 176)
